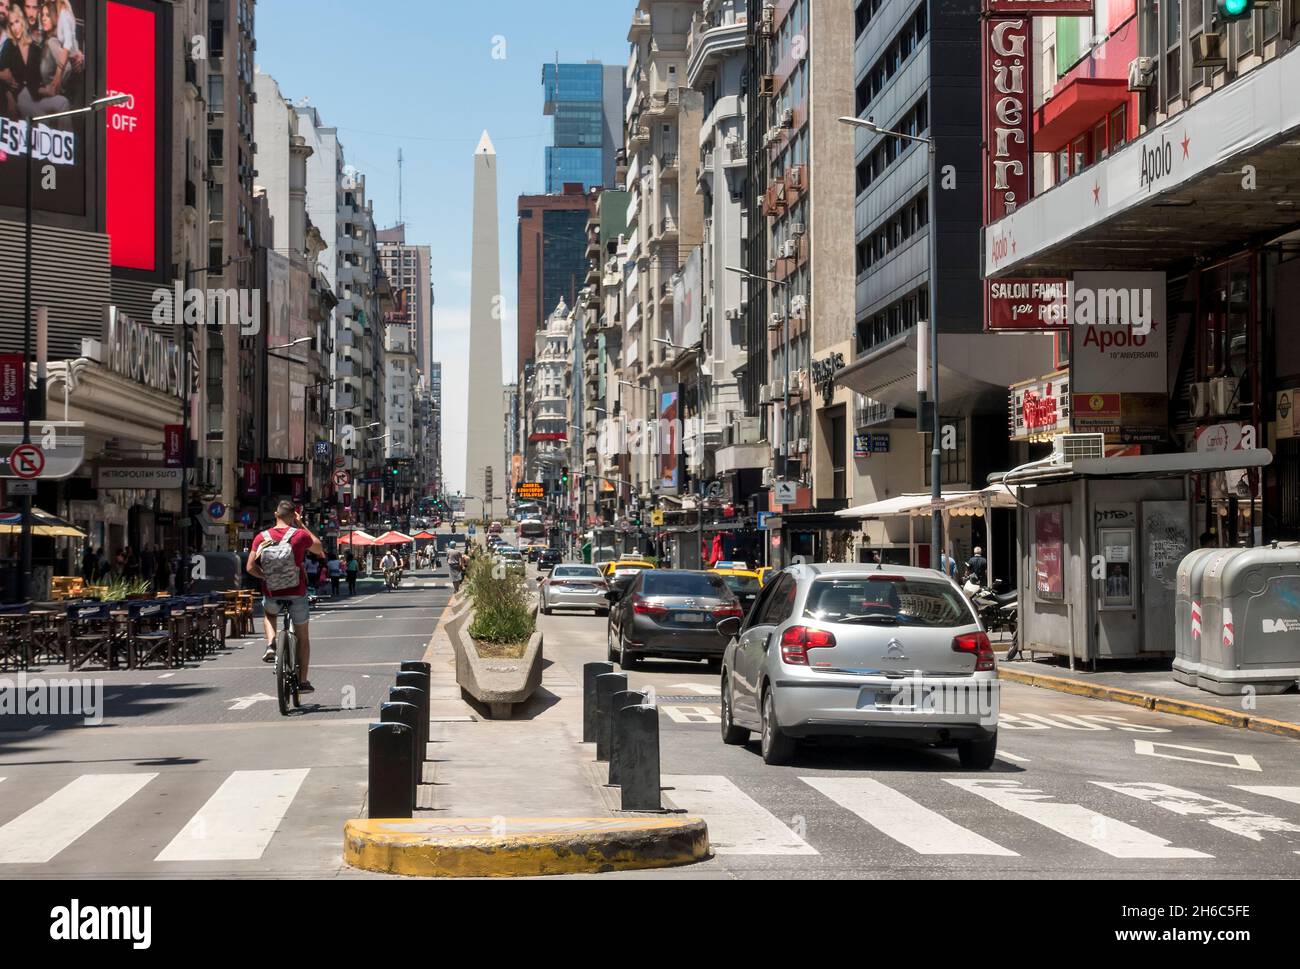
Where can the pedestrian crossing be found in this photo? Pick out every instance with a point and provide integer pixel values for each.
(236, 823)
(990, 817)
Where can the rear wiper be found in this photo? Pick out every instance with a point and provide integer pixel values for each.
(869, 620)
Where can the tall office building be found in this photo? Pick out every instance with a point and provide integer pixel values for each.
(408, 266)
(586, 101)
(485, 475)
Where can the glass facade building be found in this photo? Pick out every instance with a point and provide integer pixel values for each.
(586, 102)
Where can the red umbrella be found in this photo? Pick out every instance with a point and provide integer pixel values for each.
(357, 539)
(394, 538)
(424, 537)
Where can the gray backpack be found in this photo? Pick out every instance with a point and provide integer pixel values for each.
(279, 564)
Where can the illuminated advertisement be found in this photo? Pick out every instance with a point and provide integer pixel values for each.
(46, 68)
(131, 137)
(669, 438)
(1049, 555)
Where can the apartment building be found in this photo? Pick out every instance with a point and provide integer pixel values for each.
(664, 224)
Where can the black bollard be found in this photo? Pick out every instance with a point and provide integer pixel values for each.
(409, 714)
(418, 681)
(638, 729)
(420, 700)
(607, 684)
(625, 698)
(589, 673)
(390, 771)
(415, 666)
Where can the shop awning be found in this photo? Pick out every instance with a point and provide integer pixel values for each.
(1152, 465)
(1078, 106)
(973, 368)
(903, 506)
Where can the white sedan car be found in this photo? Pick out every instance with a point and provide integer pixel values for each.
(574, 587)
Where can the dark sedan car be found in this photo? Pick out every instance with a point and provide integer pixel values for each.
(670, 614)
(548, 559)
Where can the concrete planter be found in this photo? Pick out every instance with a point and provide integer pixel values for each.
(498, 684)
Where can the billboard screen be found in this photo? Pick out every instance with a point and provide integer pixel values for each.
(131, 139)
(46, 68)
(669, 443)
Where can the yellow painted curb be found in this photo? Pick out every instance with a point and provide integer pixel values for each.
(522, 847)
(1153, 702)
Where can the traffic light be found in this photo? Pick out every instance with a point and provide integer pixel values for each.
(564, 477)
(1227, 11)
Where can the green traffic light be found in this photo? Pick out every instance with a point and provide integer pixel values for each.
(1236, 8)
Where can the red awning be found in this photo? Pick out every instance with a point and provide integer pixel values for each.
(1078, 106)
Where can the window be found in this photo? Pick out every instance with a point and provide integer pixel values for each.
(1118, 127)
(952, 461)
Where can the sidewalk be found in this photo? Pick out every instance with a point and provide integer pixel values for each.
(1152, 685)
(531, 765)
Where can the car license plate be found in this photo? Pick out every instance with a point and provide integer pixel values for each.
(694, 617)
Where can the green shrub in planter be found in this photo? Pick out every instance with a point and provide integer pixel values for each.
(502, 612)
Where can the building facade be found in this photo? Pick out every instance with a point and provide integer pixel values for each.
(586, 102)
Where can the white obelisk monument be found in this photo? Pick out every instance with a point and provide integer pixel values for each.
(485, 472)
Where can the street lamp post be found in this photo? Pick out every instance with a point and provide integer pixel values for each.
(25, 567)
(936, 488)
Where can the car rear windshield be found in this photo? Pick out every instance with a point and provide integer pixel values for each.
(742, 585)
(887, 601)
(572, 572)
(684, 584)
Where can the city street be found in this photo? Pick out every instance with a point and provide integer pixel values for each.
(194, 772)
(1082, 788)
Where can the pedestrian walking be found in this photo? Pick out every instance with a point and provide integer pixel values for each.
(335, 569)
(353, 567)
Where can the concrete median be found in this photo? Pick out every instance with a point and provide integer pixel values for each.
(523, 847)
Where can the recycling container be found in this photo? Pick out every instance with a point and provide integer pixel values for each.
(1254, 642)
(1187, 615)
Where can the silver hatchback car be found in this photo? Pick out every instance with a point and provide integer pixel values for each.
(877, 652)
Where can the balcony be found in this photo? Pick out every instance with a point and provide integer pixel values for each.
(638, 137)
(667, 230)
(709, 45)
(668, 166)
(640, 26)
(665, 293)
(665, 104)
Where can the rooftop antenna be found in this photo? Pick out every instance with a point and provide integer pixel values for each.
(399, 186)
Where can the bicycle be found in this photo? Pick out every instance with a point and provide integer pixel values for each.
(286, 661)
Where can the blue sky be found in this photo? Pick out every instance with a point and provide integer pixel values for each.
(420, 75)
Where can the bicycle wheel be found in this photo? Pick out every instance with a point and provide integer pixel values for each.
(293, 668)
(282, 671)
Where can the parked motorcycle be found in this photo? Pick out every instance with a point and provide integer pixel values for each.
(998, 612)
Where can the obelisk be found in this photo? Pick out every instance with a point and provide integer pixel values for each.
(486, 445)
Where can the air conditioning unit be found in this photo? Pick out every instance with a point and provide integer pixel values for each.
(1141, 73)
(1069, 448)
(769, 477)
(767, 86)
(789, 248)
(1207, 51)
(1223, 394)
(776, 321)
(803, 445)
(771, 265)
(799, 307)
(1200, 400)
(794, 177)
(796, 229)
(787, 118)
(731, 314)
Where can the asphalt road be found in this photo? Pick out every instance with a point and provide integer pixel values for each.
(1082, 788)
(194, 771)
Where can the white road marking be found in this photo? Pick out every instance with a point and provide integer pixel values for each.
(166, 676)
(1089, 721)
(239, 820)
(1012, 757)
(899, 817)
(738, 825)
(37, 835)
(1236, 761)
(1289, 794)
(703, 689)
(691, 715)
(1074, 821)
(244, 702)
(1232, 818)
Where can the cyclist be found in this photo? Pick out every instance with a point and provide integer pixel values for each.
(287, 532)
(388, 565)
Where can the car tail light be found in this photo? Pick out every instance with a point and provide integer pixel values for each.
(978, 645)
(797, 640)
(643, 607)
(723, 612)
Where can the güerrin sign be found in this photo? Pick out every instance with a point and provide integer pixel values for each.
(1040, 8)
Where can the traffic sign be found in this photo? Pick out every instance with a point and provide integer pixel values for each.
(216, 511)
(787, 492)
(342, 479)
(763, 516)
(27, 461)
(22, 489)
(62, 445)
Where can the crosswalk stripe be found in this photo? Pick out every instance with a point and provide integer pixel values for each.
(37, 835)
(1289, 794)
(239, 820)
(1227, 817)
(1074, 821)
(899, 817)
(738, 825)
